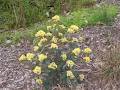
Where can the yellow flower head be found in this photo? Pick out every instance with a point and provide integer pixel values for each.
(40, 34)
(74, 40)
(40, 44)
(22, 58)
(82, 77)
(37, 70)
(87, 59)
(70, 74)
(87, 50)
(48, 34)
(62, 26)
(52, 66)
(76, 51)
(39, 81)
(53, 45)
(43, 40)
(70, 63)
(42, 57)
(60, 34)
(81, 39)
(54, 39)
(64, 56)
(49, 27)
(56, 18)
(35, 48)
(54, 25)
(30, 56)
(64, 40)
(74, 27)
(70, 30)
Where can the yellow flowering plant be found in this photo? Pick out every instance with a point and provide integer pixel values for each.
(56, 53)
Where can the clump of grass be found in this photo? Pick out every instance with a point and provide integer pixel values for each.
(111, 65)
(91, 16)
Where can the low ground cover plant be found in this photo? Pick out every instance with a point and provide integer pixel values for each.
(55, 55)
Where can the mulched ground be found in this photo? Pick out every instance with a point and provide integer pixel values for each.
(17, 76)
(13, 74)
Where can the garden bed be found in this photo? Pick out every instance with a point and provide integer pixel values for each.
(18, 76)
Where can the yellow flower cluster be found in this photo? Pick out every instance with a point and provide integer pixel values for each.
(42, 57)
(35, 48)
(87, 59)
(37, 70)
(64, 40)
(48, 34)
(49, 27)
(70, 74)
(70, 30)
(22, 58)
(75, 40)
(70, 63)
(82, 77)
(43, 40)
(56, 18)
(54, 46)
(30, 56)
(73, 29)
(54, 25)
(54, 39)
(64, 56)
(39, 44)
(60, 34)
(52, 65)
(87, 50)
(40, 33)
(76, 51)
(62, 26)
(39, 81)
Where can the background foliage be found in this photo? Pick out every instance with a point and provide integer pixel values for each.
(20, 13)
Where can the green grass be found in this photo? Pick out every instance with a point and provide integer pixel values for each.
(82, 18)
(91, 16)
(18, 35)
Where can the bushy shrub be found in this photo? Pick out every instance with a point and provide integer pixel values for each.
(56, 54)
